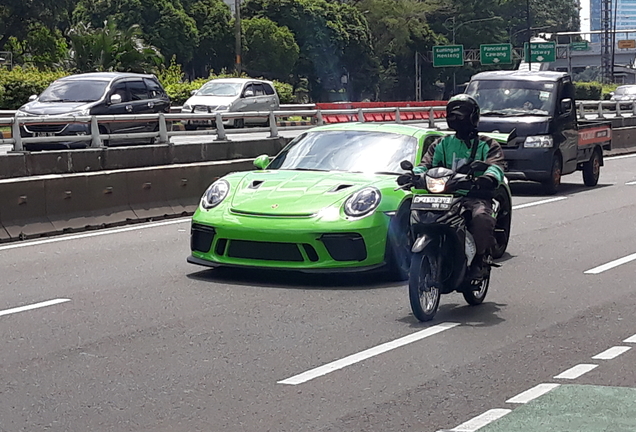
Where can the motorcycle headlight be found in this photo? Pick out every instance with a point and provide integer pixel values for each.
(436, 185)
(538, 141)
(362, 202)
(215, 194)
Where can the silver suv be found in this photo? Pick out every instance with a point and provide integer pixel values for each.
(232, 95)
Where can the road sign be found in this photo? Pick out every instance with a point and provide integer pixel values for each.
(448, 55)
(493, 54)
(580, 46)
(627, 43)
(541, 52)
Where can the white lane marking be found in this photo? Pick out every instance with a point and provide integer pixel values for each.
(631, 183)
(533, 393)
(611, 353)
(620, 157)
(536, 203)
(93, 234)
(631, 339)
(610, 265)
(481, 420)
(576, 371)
(33, 306)
(363, 355)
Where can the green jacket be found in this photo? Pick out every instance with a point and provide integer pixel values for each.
(451, 152)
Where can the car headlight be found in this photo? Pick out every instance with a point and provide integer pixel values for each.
(80, 113)
(215, 194)
(538, 141)
(21, 113)
(436, 185)
(186, 108)
(362, 202)
(222, 108)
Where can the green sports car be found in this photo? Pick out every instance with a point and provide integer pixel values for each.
(327, 202)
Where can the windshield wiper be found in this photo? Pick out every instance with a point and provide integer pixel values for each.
(306, 169)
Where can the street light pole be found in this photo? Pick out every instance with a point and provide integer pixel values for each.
(237, 34)
(529, 60)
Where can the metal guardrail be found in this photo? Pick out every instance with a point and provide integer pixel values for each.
(164, 121)
(586, 110)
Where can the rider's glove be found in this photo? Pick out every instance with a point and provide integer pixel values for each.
(486, 182)
(405, 179)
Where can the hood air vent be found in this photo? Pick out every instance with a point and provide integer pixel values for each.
(340, 187)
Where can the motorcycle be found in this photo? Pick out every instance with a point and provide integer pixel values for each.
(442, 247)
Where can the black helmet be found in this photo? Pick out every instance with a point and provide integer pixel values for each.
(462, 113)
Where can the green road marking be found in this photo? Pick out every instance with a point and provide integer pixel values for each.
(573, 408)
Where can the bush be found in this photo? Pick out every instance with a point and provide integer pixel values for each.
(20, 83)
(587, 91)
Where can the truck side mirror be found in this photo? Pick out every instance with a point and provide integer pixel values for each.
(566, 106)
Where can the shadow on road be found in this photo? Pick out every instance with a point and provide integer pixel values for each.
(523, 188)
(484, 315)
(297, 280)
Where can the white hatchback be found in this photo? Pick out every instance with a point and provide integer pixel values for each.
(232, 95)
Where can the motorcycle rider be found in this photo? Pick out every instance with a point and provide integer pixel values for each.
(460, 149)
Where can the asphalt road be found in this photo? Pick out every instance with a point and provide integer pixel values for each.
(135, 339)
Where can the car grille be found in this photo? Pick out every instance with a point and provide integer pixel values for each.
(345, 246)
(267, 251)
(201, 238)
(47, 128)
(203, 108)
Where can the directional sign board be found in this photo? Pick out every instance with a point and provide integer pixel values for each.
(541, 52)
(448, 55)
(580, 46)
(493, 54)
(627, 43)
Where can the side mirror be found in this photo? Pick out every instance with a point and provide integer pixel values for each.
(611, 93)
(115, 99)
(32, 98)
(262, 161)
(193, 92)
(248, 93)
(566, 105)
(406, 165)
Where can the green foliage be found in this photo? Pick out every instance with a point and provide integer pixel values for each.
(285, 92)
(607, 89)
(20, 83)
(42, 47)
(172, 74)
(587, 90)
(110, 49)
(269, 50)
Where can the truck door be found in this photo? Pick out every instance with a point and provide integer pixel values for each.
(566, 133)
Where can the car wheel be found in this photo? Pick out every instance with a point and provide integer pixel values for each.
(592, 169)
(551, 185)
(398, 245)
(239, 123)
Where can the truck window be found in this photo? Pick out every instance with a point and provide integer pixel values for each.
(514, 98)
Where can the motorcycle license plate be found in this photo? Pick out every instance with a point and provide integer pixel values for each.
(431, 202)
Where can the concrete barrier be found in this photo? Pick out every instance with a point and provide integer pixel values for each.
(24, 207)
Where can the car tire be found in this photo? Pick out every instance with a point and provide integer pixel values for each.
(592, 169)
(398, 245)
(238, 123)
(551, 185)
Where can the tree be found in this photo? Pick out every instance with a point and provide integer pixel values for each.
(270, 51)
(164, 23)
(324, 31)
(110, 49)
(42, 47)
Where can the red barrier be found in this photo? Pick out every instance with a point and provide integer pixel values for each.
(379, 117)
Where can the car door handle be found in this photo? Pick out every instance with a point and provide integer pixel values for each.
(151, 104)
(129, 108)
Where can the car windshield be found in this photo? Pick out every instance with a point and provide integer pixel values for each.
(510, 98)
(347, 150)
(629, 90)
(220, 89)
(74, 91)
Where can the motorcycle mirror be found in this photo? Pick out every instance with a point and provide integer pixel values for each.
(479, 166)
(406, 165)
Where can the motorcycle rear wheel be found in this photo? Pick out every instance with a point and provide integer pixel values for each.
(475, 297)
(424, 293)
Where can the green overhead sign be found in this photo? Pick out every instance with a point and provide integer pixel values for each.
(448, 55)
(580, 46)
(541, 52)
(494, 54)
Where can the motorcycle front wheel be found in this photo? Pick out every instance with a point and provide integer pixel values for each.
(424, 291)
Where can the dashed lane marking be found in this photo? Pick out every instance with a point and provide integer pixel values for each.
(536, 203)
(610, 265)
(532, 393)
(480, 421)
(363, 355)
(611, 353)
(576, 371)
(33, 306)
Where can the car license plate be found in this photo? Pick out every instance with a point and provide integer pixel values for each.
(431, 202)
(44, 134)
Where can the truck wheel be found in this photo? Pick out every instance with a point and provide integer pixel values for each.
(592, 169)
(551, 185)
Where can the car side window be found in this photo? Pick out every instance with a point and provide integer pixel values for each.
(138, 90)
(154, 89)
(258, 90)
(249, 88)
(268, 89)
(121, 90)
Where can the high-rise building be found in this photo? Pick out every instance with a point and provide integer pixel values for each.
(623, 12)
